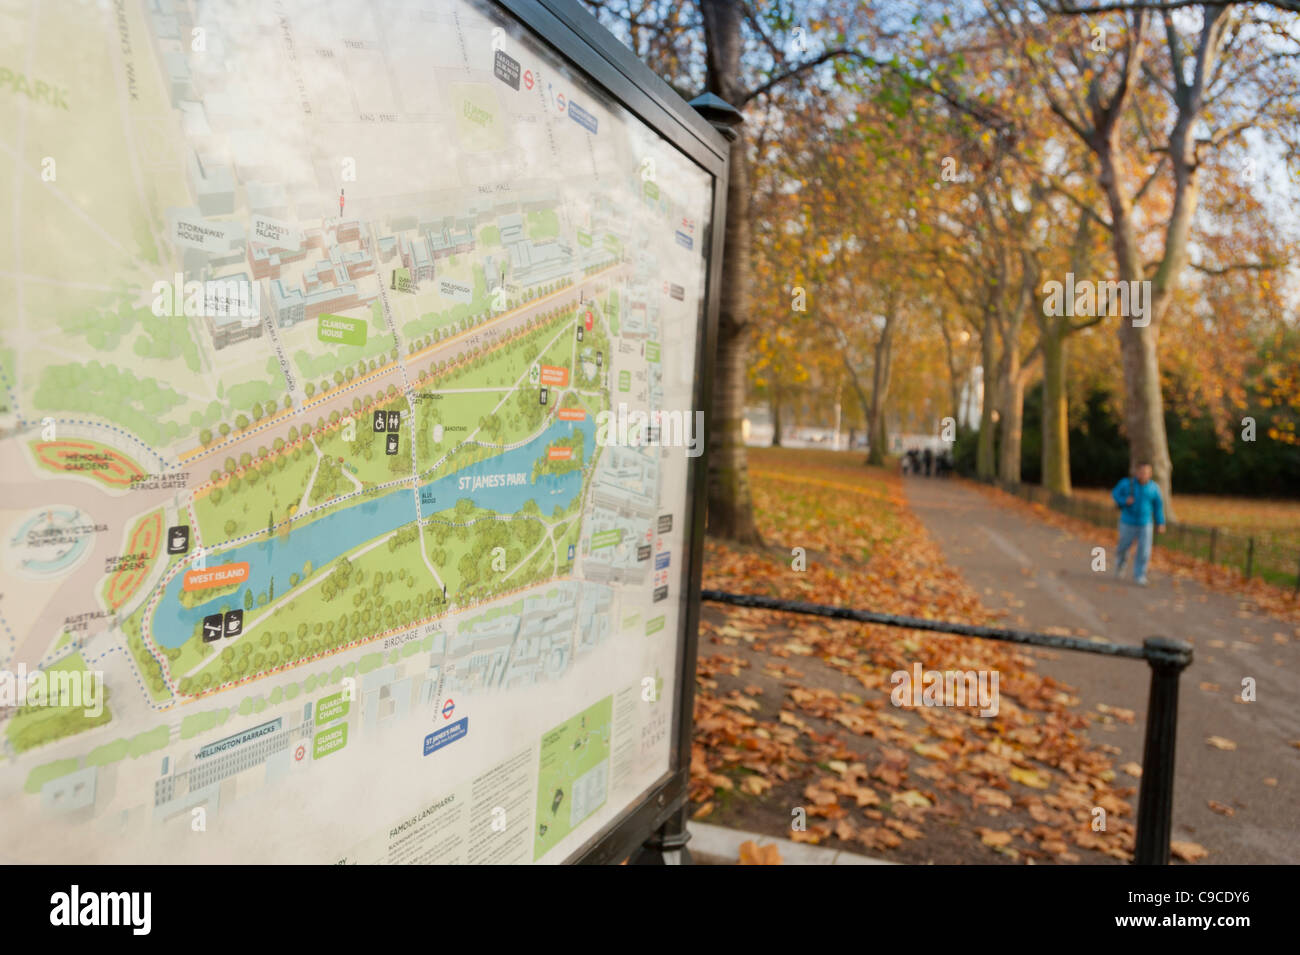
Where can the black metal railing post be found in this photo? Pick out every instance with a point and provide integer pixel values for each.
(1168, 659)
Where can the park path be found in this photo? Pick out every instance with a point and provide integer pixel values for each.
(1041, 575)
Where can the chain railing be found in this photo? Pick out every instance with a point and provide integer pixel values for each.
(1167, 659)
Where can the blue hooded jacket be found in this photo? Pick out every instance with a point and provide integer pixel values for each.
(1147, 503)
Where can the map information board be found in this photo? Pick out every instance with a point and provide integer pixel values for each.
(347, 365)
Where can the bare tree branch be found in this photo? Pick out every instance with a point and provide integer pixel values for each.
(1158, 6)
(1239, 267)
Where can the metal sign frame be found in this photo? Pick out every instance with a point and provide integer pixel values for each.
(578, 38)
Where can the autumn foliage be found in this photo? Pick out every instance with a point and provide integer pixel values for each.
(795, 712)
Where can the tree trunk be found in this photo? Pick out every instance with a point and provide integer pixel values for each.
(880, 375)
(1144, 409)
(985, 467)
(776, 418)
(879, 440)
(1012, 374)
(1054, 338)
(863, 402)
(954, 385)
(1011, 389)
(1056, 412)
(730, 506)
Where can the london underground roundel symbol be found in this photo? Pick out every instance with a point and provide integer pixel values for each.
(559, 102)
(300, 752)
(448, 708)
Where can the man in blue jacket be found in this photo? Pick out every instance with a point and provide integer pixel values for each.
(1141, 510)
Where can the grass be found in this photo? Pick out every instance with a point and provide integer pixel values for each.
(1274, 525)
(145, 662)
(560, 352)
(190, 653)
(276, 489)
(41, 723)
(452, 410)
(366, 457)
(197, 723)
(1242, 514)
(501, 363)
(781, 478)
(543, 224)
(611, 311)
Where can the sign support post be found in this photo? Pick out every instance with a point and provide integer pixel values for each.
(668, 844)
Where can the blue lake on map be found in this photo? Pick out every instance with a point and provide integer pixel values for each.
(328, 537)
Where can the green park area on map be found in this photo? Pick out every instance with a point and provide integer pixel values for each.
(573, 779)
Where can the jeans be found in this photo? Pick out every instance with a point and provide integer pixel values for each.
(1130, 534)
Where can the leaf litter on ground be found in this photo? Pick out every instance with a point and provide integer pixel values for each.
(793, 714)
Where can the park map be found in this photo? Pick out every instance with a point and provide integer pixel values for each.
(314, 320)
